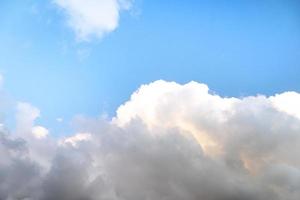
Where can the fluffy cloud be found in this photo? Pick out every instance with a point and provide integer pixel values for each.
(91, 18)
(169, 141)
(25, 117)
(40, 132)
(287, 102)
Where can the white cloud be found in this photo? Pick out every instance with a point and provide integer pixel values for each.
(90, 18)
(75, 139)
(288, 102)
(25, 116)
(40, 132)
(169, 141)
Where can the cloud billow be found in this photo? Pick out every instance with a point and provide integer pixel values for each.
(169, 141)
(93, 18)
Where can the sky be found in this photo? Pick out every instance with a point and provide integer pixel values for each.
(238, 48)
(149, 100)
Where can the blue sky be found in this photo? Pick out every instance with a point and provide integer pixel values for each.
(70, 129)
(238, 48)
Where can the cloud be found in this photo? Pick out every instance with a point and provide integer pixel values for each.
(25, 116)
(93, 18)
(59, 119)
(287, 102)
(74, 140)
(40, 132)
(169, 141)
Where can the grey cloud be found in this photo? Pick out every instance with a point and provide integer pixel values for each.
(19, 176)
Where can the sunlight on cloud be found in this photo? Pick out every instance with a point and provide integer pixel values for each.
(40, 132)
(93, 18)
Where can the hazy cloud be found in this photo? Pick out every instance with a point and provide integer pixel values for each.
(1, 81)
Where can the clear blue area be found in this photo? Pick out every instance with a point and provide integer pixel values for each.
(237, 47)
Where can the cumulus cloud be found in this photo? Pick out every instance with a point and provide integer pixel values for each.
(93, 18)
(169, 141)
(287, 102)
(40, 132)
(25, 116)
